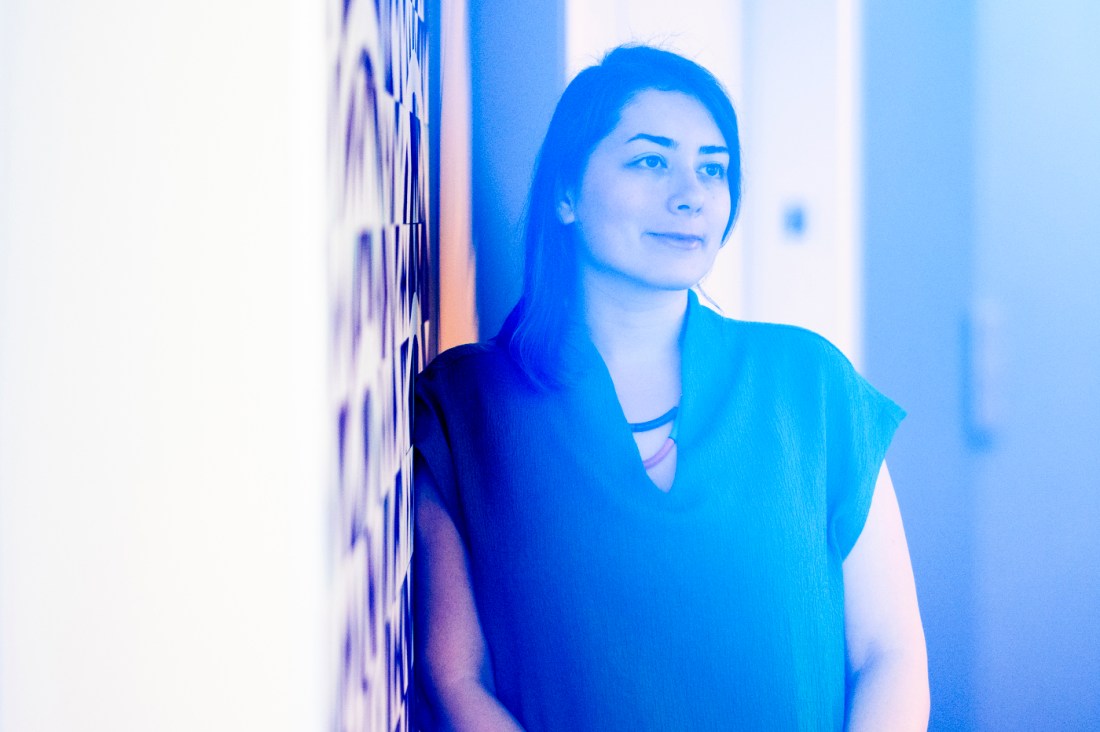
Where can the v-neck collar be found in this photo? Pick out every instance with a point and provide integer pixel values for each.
(607, 425)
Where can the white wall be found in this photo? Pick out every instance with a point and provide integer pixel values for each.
(801, 138)
(161, 366)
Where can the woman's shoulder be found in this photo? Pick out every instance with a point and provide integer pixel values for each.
(470, 366)
(464, 359)
(771, 341)
(792, 338)
(462, 355)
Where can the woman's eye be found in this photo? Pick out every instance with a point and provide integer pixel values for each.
(652, 162)
(714, 170)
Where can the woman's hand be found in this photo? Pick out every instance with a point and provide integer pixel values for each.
(887, 659)
(452, 656)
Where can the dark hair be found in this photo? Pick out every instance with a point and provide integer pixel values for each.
(536, 330)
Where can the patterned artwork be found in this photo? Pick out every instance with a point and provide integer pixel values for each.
(378, 251)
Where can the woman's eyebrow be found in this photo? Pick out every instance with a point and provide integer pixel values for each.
(672, 144)
(656, 139)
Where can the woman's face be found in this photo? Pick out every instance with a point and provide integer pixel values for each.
(653, 201)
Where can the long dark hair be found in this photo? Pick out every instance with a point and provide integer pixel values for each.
(536, 330)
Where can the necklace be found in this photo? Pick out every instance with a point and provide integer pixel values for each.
(669, 416)
(670, 442)
(653, 424)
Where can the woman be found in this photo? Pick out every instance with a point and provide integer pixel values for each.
(634, 514)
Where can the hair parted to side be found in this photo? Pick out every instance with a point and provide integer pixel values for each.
(589, 109)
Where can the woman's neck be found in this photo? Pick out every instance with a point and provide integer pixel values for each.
(633, 326)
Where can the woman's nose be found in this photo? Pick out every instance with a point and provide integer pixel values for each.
(688, 194)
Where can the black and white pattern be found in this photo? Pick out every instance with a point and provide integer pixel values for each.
(378, 250)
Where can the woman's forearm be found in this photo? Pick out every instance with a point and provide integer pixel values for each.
(467, 706)
(890, 692)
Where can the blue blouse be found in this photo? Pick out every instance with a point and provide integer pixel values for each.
(608, 604)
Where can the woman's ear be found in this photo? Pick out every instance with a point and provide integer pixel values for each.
(565, 209)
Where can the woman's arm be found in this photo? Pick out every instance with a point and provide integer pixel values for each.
(454, 662)
(887, 660)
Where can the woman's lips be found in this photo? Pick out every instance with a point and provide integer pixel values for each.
(678, 239)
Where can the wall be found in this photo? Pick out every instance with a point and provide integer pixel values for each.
(457, 262)
(517, 67)
(190, 374)
(1037, 213)
(918, 224)
(802, 239)
(380, 334)
(162, 366)
(982, 225)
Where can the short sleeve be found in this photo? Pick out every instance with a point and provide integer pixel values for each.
(431, 439)
(860, 426)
